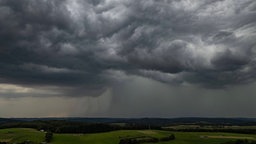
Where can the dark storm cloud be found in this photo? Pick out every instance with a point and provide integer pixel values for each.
(85, 45)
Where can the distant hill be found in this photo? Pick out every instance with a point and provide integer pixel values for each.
(210, 121)
(4, 120)
(147, 121)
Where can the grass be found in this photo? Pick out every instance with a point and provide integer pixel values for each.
(21, 134)
(16, 135)
(208, 127)
(181, 137)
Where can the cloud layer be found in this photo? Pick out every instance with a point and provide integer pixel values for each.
(87, 46)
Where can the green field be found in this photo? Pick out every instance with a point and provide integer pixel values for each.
(207, 127)
(18, 135)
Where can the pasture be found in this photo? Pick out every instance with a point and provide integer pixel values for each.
(16, 135)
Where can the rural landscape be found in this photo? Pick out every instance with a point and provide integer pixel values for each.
(128, 131)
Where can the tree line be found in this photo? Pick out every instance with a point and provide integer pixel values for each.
(60, 126)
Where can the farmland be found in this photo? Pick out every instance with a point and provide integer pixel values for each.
(18, 135)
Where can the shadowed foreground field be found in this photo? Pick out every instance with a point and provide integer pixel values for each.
(16, 135)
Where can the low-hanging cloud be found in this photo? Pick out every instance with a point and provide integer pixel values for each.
(87, 46)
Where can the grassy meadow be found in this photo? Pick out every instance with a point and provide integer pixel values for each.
(16, 135)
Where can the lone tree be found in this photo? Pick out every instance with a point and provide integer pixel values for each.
(48, 137)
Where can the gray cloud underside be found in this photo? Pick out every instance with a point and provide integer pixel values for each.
(89, 45)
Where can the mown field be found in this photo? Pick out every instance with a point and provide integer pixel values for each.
(16, 135)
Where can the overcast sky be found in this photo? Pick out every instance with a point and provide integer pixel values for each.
(127, 58)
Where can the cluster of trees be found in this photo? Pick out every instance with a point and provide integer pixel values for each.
(169, 138)
(145, 139)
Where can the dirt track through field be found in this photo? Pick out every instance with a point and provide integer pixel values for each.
(148, 132)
